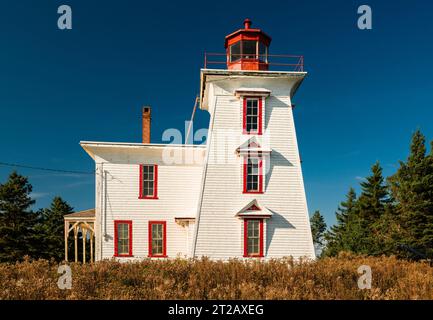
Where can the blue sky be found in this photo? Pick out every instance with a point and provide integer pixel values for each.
(366, 92)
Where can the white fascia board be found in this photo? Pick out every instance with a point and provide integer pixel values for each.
(92, 147)
(253, 92)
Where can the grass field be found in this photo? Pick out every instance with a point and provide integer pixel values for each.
(330, 278)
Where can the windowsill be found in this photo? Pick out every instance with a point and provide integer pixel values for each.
(252, 192)
(150, 256)
(252, 133)
(123, 256)
(259, 256)
(148, 198)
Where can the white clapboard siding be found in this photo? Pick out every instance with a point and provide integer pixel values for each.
(287, 232)
(178, 189)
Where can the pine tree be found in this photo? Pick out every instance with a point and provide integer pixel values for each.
(17, 221)
(412, 188)
(318, 228)
(52, 229)
(340, 236)
(372, 204)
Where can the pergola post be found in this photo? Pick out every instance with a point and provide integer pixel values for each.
(84, 235)
(91, 246)
(66, 240)
(76, 243)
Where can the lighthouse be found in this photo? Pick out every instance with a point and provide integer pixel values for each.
(252, 201)
(241, 195)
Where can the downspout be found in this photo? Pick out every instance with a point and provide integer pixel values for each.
(103, 213)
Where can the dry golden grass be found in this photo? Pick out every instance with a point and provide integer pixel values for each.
(330, 278)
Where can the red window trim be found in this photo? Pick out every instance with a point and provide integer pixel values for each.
(260, 174)
(260, 255)
(155, 182)
(164, 237)
(260, 111)
(116, 249)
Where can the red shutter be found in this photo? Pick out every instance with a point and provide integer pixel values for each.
(155, 182)
(140, 191)
(260, 117)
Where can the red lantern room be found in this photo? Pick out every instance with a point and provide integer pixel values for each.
(247, 49)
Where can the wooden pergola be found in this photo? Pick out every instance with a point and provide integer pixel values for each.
(83, 221)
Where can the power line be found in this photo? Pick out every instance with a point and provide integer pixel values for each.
(43, 169)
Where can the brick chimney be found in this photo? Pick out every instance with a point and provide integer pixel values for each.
(146, 124)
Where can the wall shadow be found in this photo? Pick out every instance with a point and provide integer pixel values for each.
(277, 221)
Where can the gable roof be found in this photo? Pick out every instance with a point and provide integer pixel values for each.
(252, 146)
(254, 209)
(86, 214)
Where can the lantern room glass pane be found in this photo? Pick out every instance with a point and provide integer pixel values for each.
(263, 52)
(235, 52)
(249, 49)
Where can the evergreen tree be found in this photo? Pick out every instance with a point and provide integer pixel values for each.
(17, 221)
(318, 228)
(412, 188)
(372, 204)
(341, 235)
(52, 229)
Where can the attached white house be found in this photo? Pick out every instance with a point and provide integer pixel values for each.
(241, 195)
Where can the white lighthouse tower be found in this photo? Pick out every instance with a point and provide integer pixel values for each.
(252, 201)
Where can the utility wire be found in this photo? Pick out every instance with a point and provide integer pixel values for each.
(5, 164)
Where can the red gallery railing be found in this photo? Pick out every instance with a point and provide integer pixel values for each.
(284, 62)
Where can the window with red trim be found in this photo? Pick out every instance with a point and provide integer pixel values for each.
(253, 238)
(157, 239)
(253, 174)
(148, 181)
(123, 238)
(252, 115)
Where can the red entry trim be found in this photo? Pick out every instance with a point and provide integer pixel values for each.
(260, 175)
(164, 239)
(155, 182)
(246, 254)
(116, 238)
(260, 113)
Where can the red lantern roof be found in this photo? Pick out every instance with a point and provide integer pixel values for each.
(246, 33)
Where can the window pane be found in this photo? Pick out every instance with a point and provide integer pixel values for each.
(253, 234)
(148, 181)
(157, 239)
(253, 174)
(123, 238)
(263, 52)
(235, 51)
(249, 49)
(252, 115)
